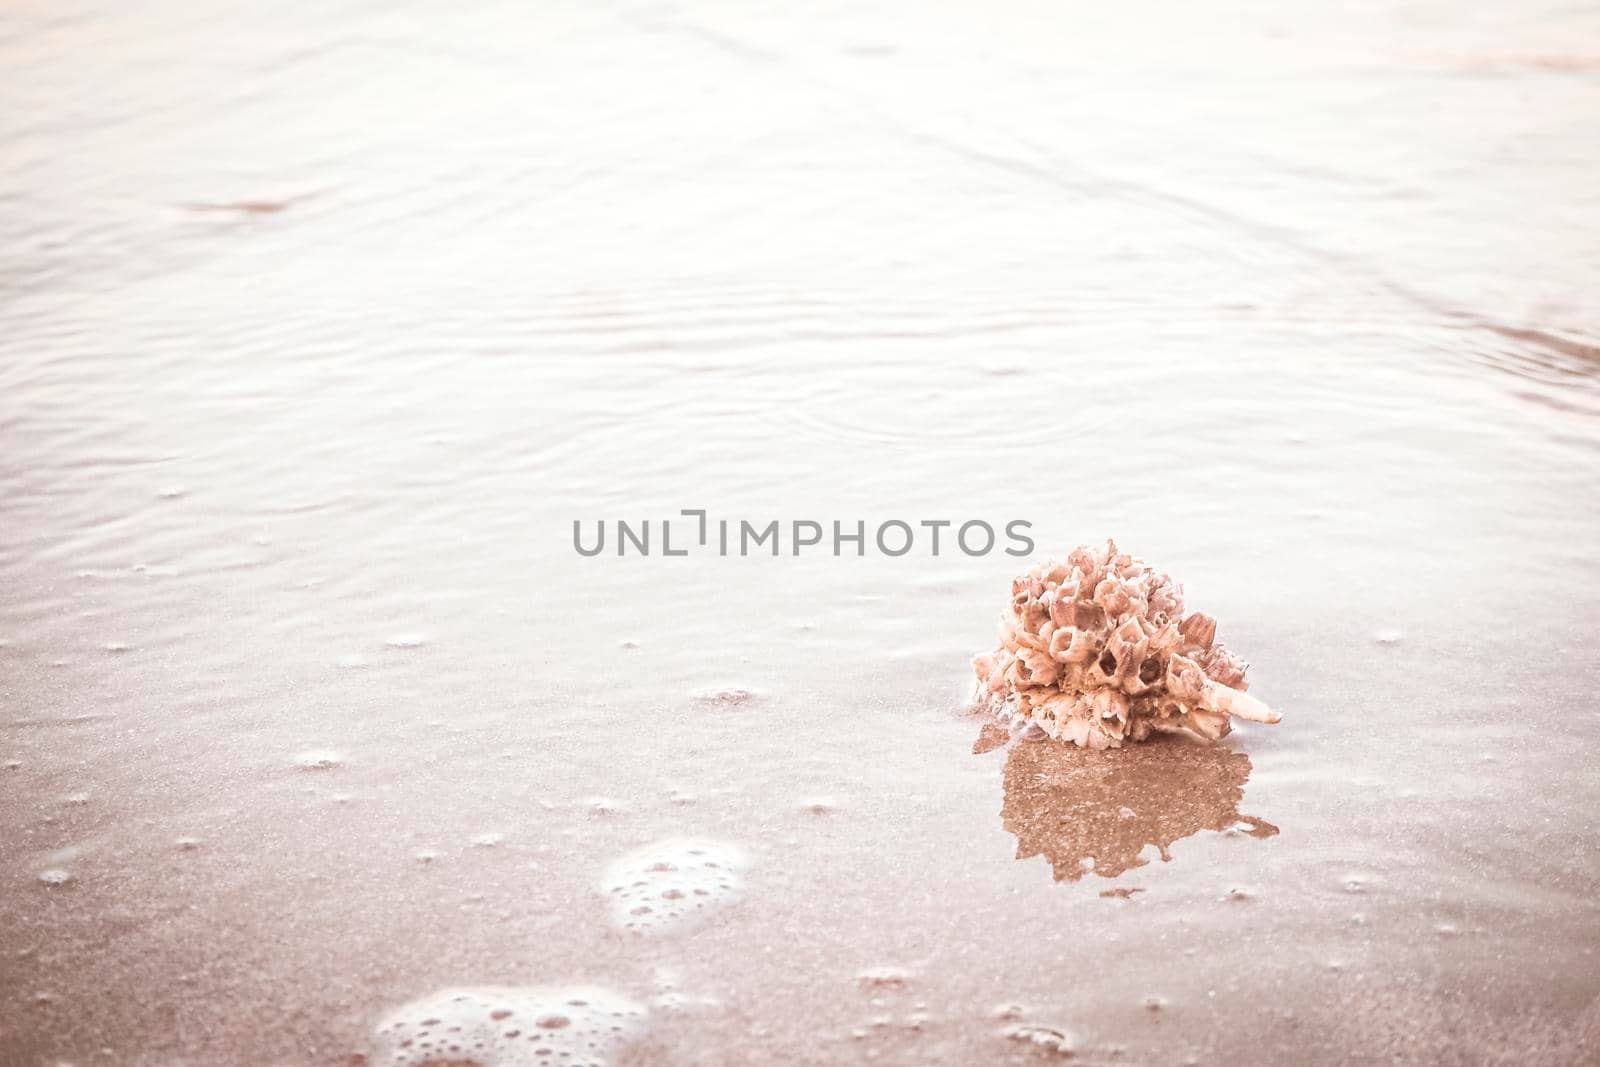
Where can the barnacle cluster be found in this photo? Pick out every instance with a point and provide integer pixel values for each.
(1097, 650)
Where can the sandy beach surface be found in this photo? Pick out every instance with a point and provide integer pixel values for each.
(320, 324)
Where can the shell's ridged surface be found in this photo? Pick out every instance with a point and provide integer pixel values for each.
(1097, 650)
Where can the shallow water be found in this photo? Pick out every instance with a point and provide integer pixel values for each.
(319, 326)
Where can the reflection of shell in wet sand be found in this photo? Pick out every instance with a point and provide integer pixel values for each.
(1098, 811)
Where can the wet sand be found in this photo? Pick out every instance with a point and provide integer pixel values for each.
(319, 327)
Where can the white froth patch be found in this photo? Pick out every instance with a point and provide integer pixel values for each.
(672, 884)
(1058, 1042)
(508, 1027)
(407, 641)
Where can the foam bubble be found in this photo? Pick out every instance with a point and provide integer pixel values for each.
(673, 883)
(412, 640)
(881, 978)
(675, 1003)
(508, 1027)
(725, 696)
(1057, 1042)
(55, 876)
(318, 760)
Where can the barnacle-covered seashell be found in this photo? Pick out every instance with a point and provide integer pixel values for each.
(1097, 650)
